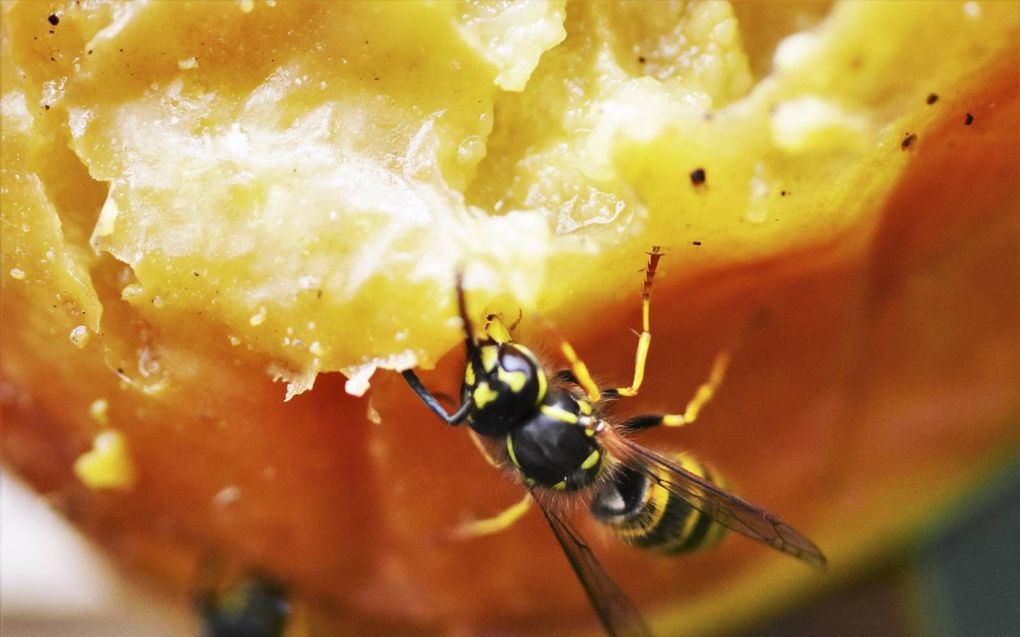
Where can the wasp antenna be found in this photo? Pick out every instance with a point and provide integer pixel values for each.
(470, 343)
(462, 303)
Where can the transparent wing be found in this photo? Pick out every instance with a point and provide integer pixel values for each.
(616, 612)
(725, 508)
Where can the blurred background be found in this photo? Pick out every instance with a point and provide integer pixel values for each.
(961, 580)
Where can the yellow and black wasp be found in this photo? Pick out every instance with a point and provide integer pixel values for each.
(551, 432)
(255, 606)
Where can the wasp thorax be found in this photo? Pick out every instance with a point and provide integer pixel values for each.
(553, 449)
(509, 390)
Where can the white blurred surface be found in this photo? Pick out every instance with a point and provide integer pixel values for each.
(54, 583)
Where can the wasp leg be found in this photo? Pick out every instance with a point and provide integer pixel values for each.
(578, 373)
(706, 391)
(581, 375)
(644, 421)
(645, 339)
(495, 524)
(567, 376)
(702, 396)
(430, 401)
(482, 450)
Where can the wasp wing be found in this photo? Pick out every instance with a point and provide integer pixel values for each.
(616, 612)
(723, 507)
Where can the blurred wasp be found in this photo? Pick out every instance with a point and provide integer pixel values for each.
(254, 606)
(552, 434)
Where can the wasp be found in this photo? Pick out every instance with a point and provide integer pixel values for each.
(553, 433)
(254, 606)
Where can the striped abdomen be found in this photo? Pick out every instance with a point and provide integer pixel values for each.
(646, 515)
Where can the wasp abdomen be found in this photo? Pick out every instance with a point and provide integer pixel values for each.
(646, 515)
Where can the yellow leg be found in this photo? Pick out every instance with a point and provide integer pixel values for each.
(645, 340)
(704, 393)
(482, 450)
(495, 524)
(707, 389)
(581, 372)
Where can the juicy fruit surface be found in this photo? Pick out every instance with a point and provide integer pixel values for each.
(200, 198)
